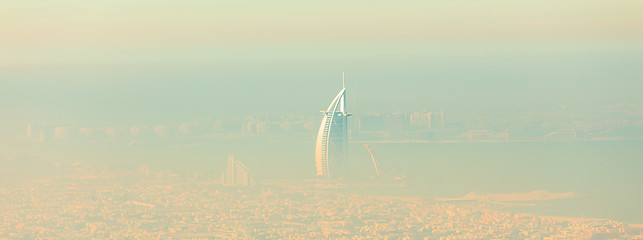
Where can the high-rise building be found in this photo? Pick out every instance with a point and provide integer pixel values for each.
(61, 132)
(29, 132)
(237, 174)
(185, 129)
(396, 122)
(372, 122)
(111, 132)
(160, 130)
(136, 131)
(87, 132)
(331, 148)
(437, 119)
(421, 121)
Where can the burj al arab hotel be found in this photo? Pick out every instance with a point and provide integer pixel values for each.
(331, 148)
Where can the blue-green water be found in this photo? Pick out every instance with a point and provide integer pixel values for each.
(606, 173)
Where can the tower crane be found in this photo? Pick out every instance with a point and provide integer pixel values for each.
(375, 164)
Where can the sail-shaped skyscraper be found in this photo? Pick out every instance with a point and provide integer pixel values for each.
(331, 148)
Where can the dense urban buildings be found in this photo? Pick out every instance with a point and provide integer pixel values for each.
(617, 123)
(77, 200)
(150, 204)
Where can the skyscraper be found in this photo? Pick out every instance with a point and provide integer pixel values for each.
(421, 121)
(237, 174)
(331, 148)
(29, 132)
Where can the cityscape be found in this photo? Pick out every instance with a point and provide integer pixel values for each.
(155, 205)
(89, 201)
(613, 123)
(446, 120)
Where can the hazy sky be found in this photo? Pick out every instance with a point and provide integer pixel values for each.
(101, 61)
(83, 25)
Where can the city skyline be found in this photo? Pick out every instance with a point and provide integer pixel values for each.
(365, 126)
(177, 119)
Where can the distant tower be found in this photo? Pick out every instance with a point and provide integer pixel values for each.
(421, 121)
(29, 132)
(61, 132)
(136, 131)
(237, 174)
(437, 119)
(331, 148)
(160, 130)
(442, 119)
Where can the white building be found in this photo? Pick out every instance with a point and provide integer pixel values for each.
(331, 148)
